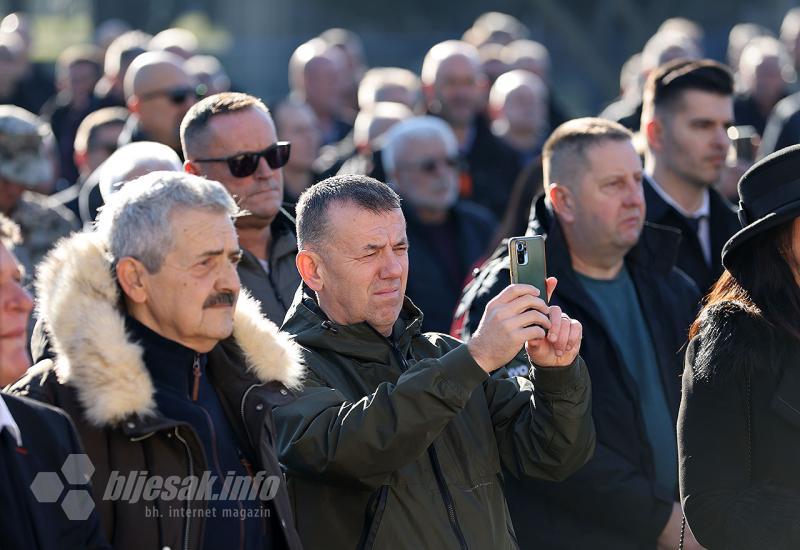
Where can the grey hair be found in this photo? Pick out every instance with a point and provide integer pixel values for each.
(136, 222)
(362, 191)
(414, 128)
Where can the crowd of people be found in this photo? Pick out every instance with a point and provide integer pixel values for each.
(317, 293)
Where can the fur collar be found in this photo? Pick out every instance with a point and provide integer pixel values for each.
(78, 301)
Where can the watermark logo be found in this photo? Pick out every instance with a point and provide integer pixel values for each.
(69, 486)
(49, 487)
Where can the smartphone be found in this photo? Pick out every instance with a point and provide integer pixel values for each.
(528, 265)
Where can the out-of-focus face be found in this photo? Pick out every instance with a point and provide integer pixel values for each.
(15, 309)
(364, 267)
(247, 131)
(82, 78)
(457, 93)
(694, 137)
(769, 85)
(163, 100)
(105, 143)
(609, 201)
(298, 125)
(325, 83)
(191, 299)
(426, 174)
(525, 109)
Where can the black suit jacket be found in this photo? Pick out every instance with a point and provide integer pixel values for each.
(723, 221)
(48, 438)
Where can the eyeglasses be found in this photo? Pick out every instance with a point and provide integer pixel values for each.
(177, 96)
(244, 164)
(431, 165)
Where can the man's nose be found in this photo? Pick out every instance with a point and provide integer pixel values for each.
(264, 170)
(392, 267)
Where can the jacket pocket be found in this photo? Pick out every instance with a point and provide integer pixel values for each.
(372, 520)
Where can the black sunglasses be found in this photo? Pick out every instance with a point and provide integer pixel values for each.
(244, 164)
(177, 96)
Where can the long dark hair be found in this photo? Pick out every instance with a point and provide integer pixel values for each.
(762, 278)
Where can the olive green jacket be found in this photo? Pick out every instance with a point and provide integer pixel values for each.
(399, 443)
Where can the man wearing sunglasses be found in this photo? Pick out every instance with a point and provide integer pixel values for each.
(446, 235)
(158, 92)
(231, 138)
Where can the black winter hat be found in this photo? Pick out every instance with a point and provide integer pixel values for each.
(769, 195)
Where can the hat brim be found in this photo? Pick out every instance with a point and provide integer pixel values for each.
(783, 214)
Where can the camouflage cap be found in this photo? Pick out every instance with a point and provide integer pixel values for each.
(23, 159)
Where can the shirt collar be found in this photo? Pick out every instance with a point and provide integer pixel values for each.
(702, 212)
(7, 421)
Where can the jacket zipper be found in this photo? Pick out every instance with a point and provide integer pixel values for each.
(188, 505)
(437, 471)
(197, 373)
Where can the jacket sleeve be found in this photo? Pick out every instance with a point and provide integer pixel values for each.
(543, 426)
(722, 506)
(322, 434)
(608, 488)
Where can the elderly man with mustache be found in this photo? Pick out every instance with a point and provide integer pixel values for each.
(168, 371)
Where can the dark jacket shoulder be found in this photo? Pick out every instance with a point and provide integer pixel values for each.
(731, 337)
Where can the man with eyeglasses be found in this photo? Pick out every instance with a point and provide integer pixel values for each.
(231, 138)
(447, 236)
(158, 92)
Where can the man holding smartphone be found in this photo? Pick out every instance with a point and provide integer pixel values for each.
(398, 437)
(616, 275)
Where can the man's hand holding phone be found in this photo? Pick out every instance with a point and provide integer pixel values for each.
(519, 316)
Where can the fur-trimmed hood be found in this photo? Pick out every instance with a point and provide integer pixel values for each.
(78, 300)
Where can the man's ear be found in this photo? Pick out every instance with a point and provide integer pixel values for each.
(191, 167)
(310, 268)
(131, 275)
(654, 133)
(133, 104)
(80, 159)
(563, 202)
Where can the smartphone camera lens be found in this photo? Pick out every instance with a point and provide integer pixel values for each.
(520, 247)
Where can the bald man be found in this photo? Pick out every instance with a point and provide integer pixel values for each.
(158, 92)
(454, 89)
(315, 78)
(518, 109)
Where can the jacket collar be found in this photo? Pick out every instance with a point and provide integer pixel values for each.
(313, 329)
(657, 247)
(79, 305)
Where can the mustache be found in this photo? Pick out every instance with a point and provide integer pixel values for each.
(223, 298)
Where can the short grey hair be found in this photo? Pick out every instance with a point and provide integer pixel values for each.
(136, 222)
(415, 128)
(313, 205)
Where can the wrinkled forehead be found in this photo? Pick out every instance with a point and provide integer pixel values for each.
(195, 231)
(352, 227)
